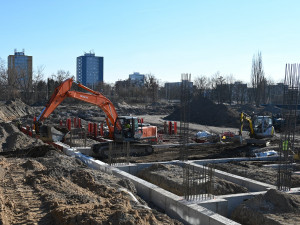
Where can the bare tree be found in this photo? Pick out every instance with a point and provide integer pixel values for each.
(230, 82)
(39, 86)
(202, 85)
(61, 75)
(151, 85)
(258, 79)
(3, 81)
(218, 85)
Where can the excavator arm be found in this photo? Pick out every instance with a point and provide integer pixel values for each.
(243, 117)
(96, 98)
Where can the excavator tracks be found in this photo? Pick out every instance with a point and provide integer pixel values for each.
(20, 202)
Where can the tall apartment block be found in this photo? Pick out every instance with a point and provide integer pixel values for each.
(20, 70)
(89, 69)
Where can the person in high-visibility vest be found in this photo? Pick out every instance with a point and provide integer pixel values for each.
(285, 145)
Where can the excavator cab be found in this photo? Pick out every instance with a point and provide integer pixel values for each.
(126, 129)
(263, 126)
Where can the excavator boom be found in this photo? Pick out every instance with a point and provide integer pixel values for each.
(63, 91)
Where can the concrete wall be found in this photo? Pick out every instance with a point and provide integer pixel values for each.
(174, 206)
(251, 185)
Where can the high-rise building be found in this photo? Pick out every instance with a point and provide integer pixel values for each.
(89, 69)
(20, 69)
(137, 78)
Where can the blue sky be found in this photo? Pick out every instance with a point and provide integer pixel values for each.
(162, 37)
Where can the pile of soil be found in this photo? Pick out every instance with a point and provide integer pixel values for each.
(170, 177)
(204, 111)
(251, 109)
(141, 109)
(14, 109)
(57, 189)
(274, 207)
(255, 170)
(11, 138)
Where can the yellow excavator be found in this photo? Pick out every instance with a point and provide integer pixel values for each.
(261, 128)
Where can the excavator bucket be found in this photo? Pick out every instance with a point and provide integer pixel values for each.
(50, 134)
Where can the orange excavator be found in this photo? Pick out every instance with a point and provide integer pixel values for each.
(120, 128)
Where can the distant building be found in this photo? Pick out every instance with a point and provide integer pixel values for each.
(173, 90)
(239, 92)
(275, 95)
(20, 70)
(137, 78)
(89, 69)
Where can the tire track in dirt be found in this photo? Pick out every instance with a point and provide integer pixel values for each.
(21, 204)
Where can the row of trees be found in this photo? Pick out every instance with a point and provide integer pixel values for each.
(219, 88)
(226, 89)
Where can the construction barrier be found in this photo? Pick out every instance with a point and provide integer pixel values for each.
(95, 130)
(101, 130)
(175, 127)
(170, 127)
(79, 122)
(69, 124)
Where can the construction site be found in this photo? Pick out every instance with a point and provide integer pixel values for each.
(90, 161)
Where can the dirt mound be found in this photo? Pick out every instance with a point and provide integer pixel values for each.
(57, 189)
(170, 177)
(204, 111)
(14, 109)
(274, 207)
(11, 138)
(251, 109)
(142, 109)
(33, 165)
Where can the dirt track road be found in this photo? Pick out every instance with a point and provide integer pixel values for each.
(21, 204)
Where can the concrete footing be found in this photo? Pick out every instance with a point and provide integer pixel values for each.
(174, 206)
(213, 211)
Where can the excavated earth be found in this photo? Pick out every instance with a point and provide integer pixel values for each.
(170, 177)
(256, 171)
(272, 208)
(40, 185)
(14, 109)
(57, 189)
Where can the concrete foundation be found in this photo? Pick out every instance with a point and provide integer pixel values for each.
(212, 211)
(173, 205)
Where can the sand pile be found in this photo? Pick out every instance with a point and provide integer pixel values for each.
(204, 111)
(274, 207)
(14, 109)
(170, 177)
(11, 138)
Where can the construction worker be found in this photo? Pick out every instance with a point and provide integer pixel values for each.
(127, 128)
